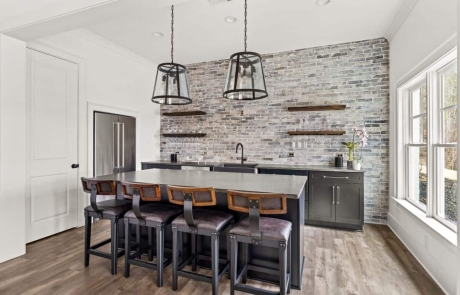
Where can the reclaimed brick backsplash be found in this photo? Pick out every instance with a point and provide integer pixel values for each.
(355, 74)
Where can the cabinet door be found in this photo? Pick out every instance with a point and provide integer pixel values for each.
(349, 203)
(321, 201)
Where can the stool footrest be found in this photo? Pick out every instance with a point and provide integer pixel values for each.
(209, 258)
(132, 260)
(194, 276)
(189, 274)
(105, 254)
(267, 270)
(149, 265)
(98, 245)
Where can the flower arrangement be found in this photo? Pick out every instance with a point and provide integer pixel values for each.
(352, 145)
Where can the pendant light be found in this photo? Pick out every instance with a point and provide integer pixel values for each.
(171, 83)
(245, 78)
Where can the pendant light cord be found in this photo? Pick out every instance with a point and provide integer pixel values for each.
(172, 33)
(245, 24)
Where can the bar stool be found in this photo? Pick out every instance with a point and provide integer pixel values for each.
(112, 210)
(153, 216)
(260, 231)
(198, 222)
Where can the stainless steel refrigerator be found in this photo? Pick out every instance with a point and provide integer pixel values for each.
(114, 143)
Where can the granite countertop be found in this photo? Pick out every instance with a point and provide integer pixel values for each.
(292, 186)
(261, 166)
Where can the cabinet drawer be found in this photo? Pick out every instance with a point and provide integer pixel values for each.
(351, 177)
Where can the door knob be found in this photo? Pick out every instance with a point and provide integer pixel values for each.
(74, 166)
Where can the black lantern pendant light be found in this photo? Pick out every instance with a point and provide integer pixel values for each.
(171, 83)
(245, 78)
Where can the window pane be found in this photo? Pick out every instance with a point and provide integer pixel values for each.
(447, 183)
(449, 118)
(449, 88)
(417, 176)
(419, 130)
(419, 101)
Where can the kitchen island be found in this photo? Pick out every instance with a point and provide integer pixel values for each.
(334, 196)
(292, 186)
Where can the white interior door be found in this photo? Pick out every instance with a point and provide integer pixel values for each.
(52, 118)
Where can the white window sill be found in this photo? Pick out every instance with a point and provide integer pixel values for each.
(432, 223)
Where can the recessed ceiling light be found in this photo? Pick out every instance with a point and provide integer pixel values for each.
(322, 2)
(230, 19)
(157, 34)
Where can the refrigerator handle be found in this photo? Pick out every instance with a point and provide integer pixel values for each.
(115, 144)
(122, 145)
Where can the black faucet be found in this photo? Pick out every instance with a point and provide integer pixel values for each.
(242, 152)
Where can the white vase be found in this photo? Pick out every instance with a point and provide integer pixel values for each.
(356, 165)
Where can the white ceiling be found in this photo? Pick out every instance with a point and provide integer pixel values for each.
(201, 34)
(9, 8)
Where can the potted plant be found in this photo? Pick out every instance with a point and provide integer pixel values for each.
(353, 161)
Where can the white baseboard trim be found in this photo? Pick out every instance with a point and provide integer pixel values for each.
(392, 219)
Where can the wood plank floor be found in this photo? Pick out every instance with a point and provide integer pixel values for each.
(336, 262)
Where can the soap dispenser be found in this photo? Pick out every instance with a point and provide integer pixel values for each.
(339, 161)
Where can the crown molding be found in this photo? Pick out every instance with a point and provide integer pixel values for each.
(109, 45)
(400, 18)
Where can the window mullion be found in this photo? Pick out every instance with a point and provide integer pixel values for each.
(432, 138)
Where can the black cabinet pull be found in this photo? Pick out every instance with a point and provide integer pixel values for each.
(75, 166)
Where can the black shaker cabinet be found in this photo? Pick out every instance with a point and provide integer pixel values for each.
(336, 199)
(321, 202)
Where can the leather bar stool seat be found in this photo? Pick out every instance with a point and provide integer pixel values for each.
(160, 213)
(206, 219)
(113, 207)
(270, 228)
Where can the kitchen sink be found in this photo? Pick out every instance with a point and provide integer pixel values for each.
(236, 168)
(239, 165)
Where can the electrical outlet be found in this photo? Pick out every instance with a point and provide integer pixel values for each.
(291, 155)
(242, 113)
(427, 245)
(205, 153)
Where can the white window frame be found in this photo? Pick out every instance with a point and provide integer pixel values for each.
(438, 202)
(431, 76)
(417, 83)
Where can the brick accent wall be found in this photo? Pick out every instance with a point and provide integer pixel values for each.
(355, 74)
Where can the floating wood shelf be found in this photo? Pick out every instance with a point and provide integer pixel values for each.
(184, 134)
(323, 132)
(183, 114)
(334, 107)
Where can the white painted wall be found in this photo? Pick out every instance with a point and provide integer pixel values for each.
(426, 35)
(12, 147)
(112, 78)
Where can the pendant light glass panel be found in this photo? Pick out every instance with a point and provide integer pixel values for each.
(245, 77)
(171, 85)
